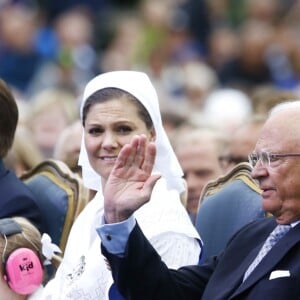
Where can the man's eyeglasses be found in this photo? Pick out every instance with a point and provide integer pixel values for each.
(267, 158)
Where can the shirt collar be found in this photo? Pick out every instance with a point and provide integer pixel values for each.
(295, 223)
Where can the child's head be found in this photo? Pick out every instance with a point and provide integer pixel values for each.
(21, 257)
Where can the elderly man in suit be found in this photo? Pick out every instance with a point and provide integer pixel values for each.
(255, 264)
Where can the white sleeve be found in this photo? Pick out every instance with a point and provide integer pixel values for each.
(177, 249)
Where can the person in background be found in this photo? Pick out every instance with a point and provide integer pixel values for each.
(198, 151)
(16, 198)
(261, 260)
(242, 141)
(226, 109)
(19, 57)
(51, 111)
(116, 107)
(67, 149)
(67, 146)
(24, 153)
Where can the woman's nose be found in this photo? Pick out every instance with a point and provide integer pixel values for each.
(109, 140)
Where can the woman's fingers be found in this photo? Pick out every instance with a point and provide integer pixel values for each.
(149, 158)
(140, 153)
(135, 154)
(131, 157)
(127, 155)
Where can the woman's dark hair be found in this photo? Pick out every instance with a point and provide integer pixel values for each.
(9, 115)
(110, 93)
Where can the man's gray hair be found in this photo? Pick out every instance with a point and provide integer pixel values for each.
(293, 104)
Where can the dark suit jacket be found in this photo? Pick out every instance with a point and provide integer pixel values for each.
(141, 275)
(17, 200)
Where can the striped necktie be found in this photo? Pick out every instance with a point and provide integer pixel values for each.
(274, 237)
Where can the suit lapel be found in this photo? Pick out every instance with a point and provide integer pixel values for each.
(255, 237)
(271, 259)
(236, 277)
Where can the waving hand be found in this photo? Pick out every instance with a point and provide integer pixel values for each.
(130, 183)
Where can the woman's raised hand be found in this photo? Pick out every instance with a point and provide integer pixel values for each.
(130, 183)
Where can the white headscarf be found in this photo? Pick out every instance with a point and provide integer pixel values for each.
(137, 84)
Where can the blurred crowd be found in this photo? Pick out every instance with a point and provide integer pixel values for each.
(216, 64)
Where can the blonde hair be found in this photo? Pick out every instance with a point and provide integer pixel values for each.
(52, 97)
(30, 238)
(24, 153)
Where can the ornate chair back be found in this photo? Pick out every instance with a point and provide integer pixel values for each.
(61, 197)
(226, 204)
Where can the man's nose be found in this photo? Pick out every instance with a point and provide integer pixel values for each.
(259, 170)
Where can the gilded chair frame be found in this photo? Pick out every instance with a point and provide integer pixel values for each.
(241, 171)
(60, 175)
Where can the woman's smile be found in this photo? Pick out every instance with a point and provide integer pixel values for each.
(109, 158)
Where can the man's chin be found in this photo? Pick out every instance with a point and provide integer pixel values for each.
(277, 214)
(270, 205)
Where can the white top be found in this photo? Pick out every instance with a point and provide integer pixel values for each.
(37, 295)
(83, 273)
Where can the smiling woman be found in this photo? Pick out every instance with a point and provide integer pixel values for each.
(111, 117)
(117, 107)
